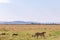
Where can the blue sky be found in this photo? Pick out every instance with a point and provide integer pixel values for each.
(30, 10)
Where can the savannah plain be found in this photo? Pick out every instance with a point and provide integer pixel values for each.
(25, 32)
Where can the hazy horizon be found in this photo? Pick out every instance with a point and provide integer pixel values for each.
(30, 10)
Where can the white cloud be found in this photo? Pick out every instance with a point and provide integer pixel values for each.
(4, 1)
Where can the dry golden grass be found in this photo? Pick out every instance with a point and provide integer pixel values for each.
(51, 30)
(29, 27)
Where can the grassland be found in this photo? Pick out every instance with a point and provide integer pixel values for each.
(25, 32)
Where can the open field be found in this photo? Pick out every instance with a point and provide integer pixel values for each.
(25, 32)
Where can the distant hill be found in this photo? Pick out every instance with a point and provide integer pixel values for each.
(18, 22)
(23, 22)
